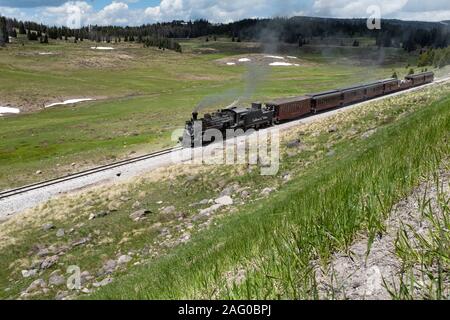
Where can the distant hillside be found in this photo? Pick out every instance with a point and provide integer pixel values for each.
(410, 35)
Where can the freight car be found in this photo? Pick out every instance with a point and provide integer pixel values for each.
(259, 115)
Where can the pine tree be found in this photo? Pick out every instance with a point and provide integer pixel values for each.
(4, 37)
(22, 28)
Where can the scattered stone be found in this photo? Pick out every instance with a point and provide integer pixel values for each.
(80, 242)
(204, 201)
(159, 202)
(60, 295)
(294, 143)
(208, 211)
(136, 205)
(229, 190)
(368, 133)
(245, 194)
(108, 267)
(29, 273)
(48, 226)
(168, 210)
(103, 283)
(287, 177)
(266, 191)
(224, 201)
(36, 285)
(85, 276)
(85, 290)
(332, 129)
(331, 153)
(100, 214)
(185, 237)
(140, 214)
(49, 262)
(124, 259)
(73, 164)
(56, 279)
(60, 233)
(39, 172)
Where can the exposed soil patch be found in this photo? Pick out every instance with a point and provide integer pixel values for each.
(360, 274)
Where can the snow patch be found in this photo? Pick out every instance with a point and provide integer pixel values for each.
(102, 48)
(4, 110)
(71, 101)
(275, 57)
(280, 64)
(244, 60)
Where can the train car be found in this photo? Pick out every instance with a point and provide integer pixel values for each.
(290, 108)
(373, 90)
(420, 78)
(353, 94)
(325, 100)
(405, 84)
(390, 85)
(254, 117)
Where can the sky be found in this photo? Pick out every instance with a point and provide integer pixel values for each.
(136, 12)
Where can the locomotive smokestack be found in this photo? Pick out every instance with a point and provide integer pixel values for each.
(194, 115)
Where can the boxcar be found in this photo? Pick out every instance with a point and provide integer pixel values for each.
(352, 94)
(390, 85)
(325, 100)
(373, 90)
(290, 108)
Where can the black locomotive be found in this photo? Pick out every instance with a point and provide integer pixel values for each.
(259, 115)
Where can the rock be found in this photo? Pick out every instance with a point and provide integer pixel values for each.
(108, 267)
(266, 191)
(229, 190)
(60, 233)
(80, 242)
(136, 205)
(29, 273)
(208, 211)
(56, 279)
(61, 295)
(85, 290)
(36, 285)
(204, 201)
(100, 214)
(85, 276)
(245, 194)
(39, 172)
(139, 215)
(73, 164)
(103, 283)
(287, 177)
(159, 202)
(49, 262)
(331, 153)
(48, 226)
(224, 201)
(293, 144)
(124, 259)
(368, 133)
(185, 237)
(332, 129)
(168, 210)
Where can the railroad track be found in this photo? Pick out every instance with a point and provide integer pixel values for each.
(17, 191)
(46, 183)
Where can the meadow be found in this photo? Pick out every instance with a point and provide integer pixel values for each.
(143, 94)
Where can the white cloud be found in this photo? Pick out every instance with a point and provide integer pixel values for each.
(119, 13)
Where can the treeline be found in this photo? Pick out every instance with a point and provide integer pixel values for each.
(410, 36)
(435, 57)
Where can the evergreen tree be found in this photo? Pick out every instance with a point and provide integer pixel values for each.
(22, 28)
(4, 37)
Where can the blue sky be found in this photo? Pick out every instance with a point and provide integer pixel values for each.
(135, 12)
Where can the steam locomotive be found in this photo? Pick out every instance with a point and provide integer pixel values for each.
(282, 110)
